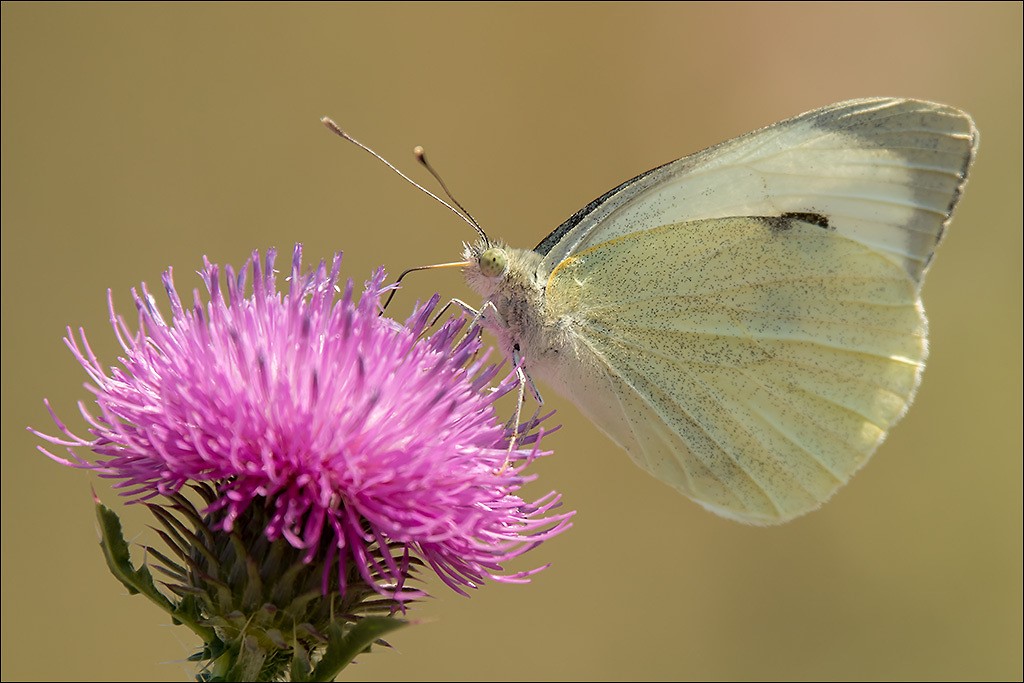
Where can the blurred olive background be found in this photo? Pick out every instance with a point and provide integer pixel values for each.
(140, 137)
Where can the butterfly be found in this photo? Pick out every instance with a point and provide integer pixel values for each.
(745, 322)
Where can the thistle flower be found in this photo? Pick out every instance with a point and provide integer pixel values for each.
(333, 450)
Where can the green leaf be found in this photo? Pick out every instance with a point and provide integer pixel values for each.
(344, 645)
(115, 551)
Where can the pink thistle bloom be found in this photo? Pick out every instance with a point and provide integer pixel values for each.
(353, 432)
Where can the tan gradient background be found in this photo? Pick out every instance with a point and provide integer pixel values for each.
(137, 137)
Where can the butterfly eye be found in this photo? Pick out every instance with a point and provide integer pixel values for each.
(493, 263)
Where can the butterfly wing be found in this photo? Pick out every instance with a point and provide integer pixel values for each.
(756, 357)
(885, 172)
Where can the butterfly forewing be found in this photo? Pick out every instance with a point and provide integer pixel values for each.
(884, 172)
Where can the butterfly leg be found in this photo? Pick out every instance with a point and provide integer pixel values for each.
(489, 317)
(524, 381)
(477, 316)
(466, 308)
(524, 377)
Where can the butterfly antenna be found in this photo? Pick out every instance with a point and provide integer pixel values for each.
(336, 129)
(421, 156)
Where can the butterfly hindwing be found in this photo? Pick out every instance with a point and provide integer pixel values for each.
(752, 363)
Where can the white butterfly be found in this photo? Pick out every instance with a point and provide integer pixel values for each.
(746, 321)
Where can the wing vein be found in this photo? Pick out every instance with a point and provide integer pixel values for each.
(713, 395)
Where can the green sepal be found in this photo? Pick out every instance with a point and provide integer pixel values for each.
(249, 661)
(301, 668)
(344, 644)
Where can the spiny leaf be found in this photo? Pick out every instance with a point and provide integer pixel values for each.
(115, 551)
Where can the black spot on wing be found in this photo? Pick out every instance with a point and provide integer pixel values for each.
(786, 220)
(808, 217)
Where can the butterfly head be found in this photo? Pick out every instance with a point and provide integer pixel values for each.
(487, 264)
(493, 263)
(495, 269)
